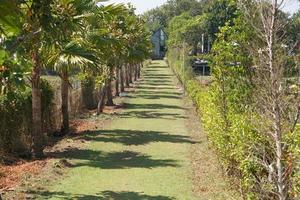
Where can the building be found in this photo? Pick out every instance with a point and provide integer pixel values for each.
(159, 38)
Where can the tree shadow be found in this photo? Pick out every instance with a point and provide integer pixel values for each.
(160, 88)
(151, 115)
(151, 70)
(158, 84)
(157, 79)
(157, 65)
(135, 137)
(151, 94)
(151, 76)
(154, 92)
(150, 106)
(105, 195)
(42, 194)
(112, 160)
(131, 196)
(158, 96)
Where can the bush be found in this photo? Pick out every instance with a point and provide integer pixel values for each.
(232, 135)
(16, 118)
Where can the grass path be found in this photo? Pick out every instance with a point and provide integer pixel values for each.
(145, 154)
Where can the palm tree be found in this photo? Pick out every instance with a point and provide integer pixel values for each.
(37, 16)
(65, 60)
(67, 52)
(105, 37)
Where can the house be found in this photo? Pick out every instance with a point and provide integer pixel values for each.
(158, 39)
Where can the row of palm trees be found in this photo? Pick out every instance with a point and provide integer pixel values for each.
(105, 43)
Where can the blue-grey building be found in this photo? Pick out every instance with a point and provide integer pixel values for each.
(159, 38)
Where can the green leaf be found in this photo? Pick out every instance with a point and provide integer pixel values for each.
(2, 56)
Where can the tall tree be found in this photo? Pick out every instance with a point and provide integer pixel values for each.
(37, 17)
(277, 110)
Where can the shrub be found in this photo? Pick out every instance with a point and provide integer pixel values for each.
(232, 135)
(16, 118)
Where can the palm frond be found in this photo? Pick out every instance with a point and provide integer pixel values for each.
(71, 56)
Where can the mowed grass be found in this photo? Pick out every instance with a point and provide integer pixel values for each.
(143, 154)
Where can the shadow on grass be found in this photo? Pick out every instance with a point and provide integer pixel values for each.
(135, 137)
(154, 92)
(157, 65)
(150, 106)
(159, 77)
(158, 96)
(105, 195)
(158, 83)
(151, 115)
(34, 194)
(131, 196)
(112, 160)
(162, 87)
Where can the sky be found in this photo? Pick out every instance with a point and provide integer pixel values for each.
(141, 5)
(290, 6)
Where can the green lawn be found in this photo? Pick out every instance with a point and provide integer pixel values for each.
(143, 154)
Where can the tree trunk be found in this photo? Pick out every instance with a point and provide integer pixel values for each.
(139, 70)
(65, 102)
(109, 95)
(102, 94)
(117, 81)
(110, 101)
(126, 76)
(130, 73)
(122, 79)
(135, 72)
(37, 136)
(88, 87)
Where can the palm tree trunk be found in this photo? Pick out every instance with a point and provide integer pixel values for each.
(122, 79)
(65, 102)
(139, 70)
(135, 72)
(37, 137)
(102, 94)
(110, 101)
(130, 73)
(126, 76)
(88, 93)
(117, 81)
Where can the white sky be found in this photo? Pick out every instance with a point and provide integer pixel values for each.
(290, 6)
(141, 5)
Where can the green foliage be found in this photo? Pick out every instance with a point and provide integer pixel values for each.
(224, 107)
(293, 37)
(185, 28)
(228, 114)
(219, 12)
(233, 137)
(180, 62)
(9, 17)
(160, 17)
(16, 115)
(70, 36)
